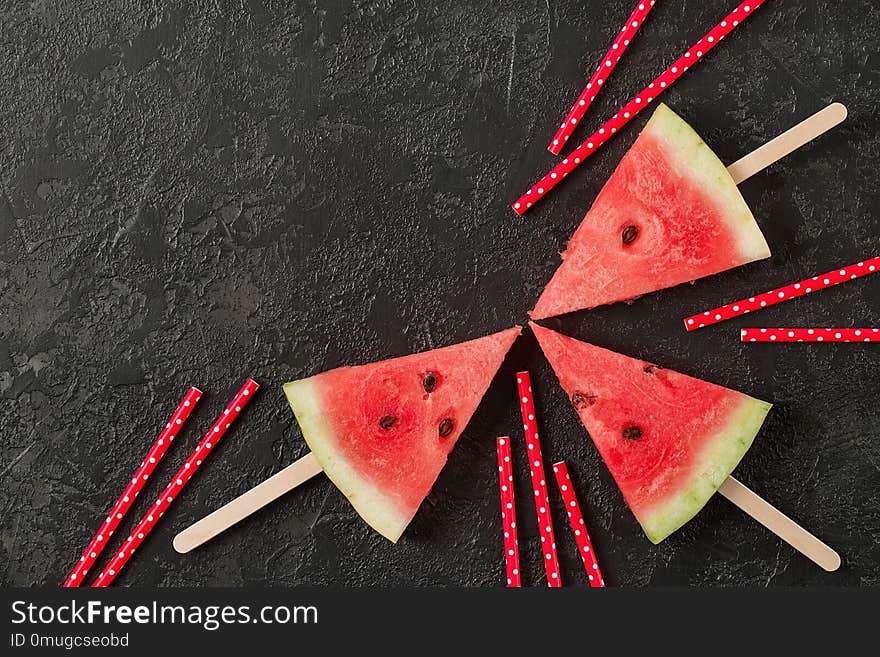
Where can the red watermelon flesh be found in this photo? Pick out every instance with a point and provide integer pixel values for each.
(668, 439)
(670, 213)
(382, 432)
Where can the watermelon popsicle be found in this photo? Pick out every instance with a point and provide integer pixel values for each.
(670, 441)
(381, 432)
(669, 214)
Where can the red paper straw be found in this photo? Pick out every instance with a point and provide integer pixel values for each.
(799, 289)
(539, 483)
(576, 518)
(133, 489)
(508, 513)
(603, 72)
(810, 335)
(172, 490)
(636, 105)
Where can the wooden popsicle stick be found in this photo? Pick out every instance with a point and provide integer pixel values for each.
(244, 505)
(780, 524)
(788, 141)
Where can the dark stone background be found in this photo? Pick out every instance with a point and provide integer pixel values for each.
(199, 192)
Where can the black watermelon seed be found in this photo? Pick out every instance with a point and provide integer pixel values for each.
(388, 421)
(446, 426)
(632, 433)
(630, 233)
(429, 381)
(580, 400)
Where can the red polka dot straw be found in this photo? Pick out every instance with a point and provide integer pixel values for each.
(508, 512)
(576, 519)
(134, 487)
(636, 105)
(172, 490)
(600, 77)
(810, 335)
(780, 294)
(539, 483)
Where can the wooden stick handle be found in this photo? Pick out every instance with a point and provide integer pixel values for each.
(244, 505)
(788, 141)
(780, 524)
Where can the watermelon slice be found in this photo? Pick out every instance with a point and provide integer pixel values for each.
(668, 439)
(382, 431)
(669, 214)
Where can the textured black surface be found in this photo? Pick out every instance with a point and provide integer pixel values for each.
(192, 194)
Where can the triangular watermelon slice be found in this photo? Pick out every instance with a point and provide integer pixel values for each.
(668, 439)
(670, 213)
(382, 432)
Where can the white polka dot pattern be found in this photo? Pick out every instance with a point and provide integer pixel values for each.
(603, 72)
(636, 105)
(810, 335)
(799, 289)
(178, 481)
(539, 483)
(508, 512)
(134, 487)
(576, 519)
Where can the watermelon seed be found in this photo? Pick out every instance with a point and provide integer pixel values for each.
(650, 369)
(632, 433)
(446, 426)
(388, 421)
(429, 381)
(582, 401)
(630, 233)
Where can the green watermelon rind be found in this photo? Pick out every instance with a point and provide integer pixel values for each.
(726, 449)
(694, 159)
(374, 507)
